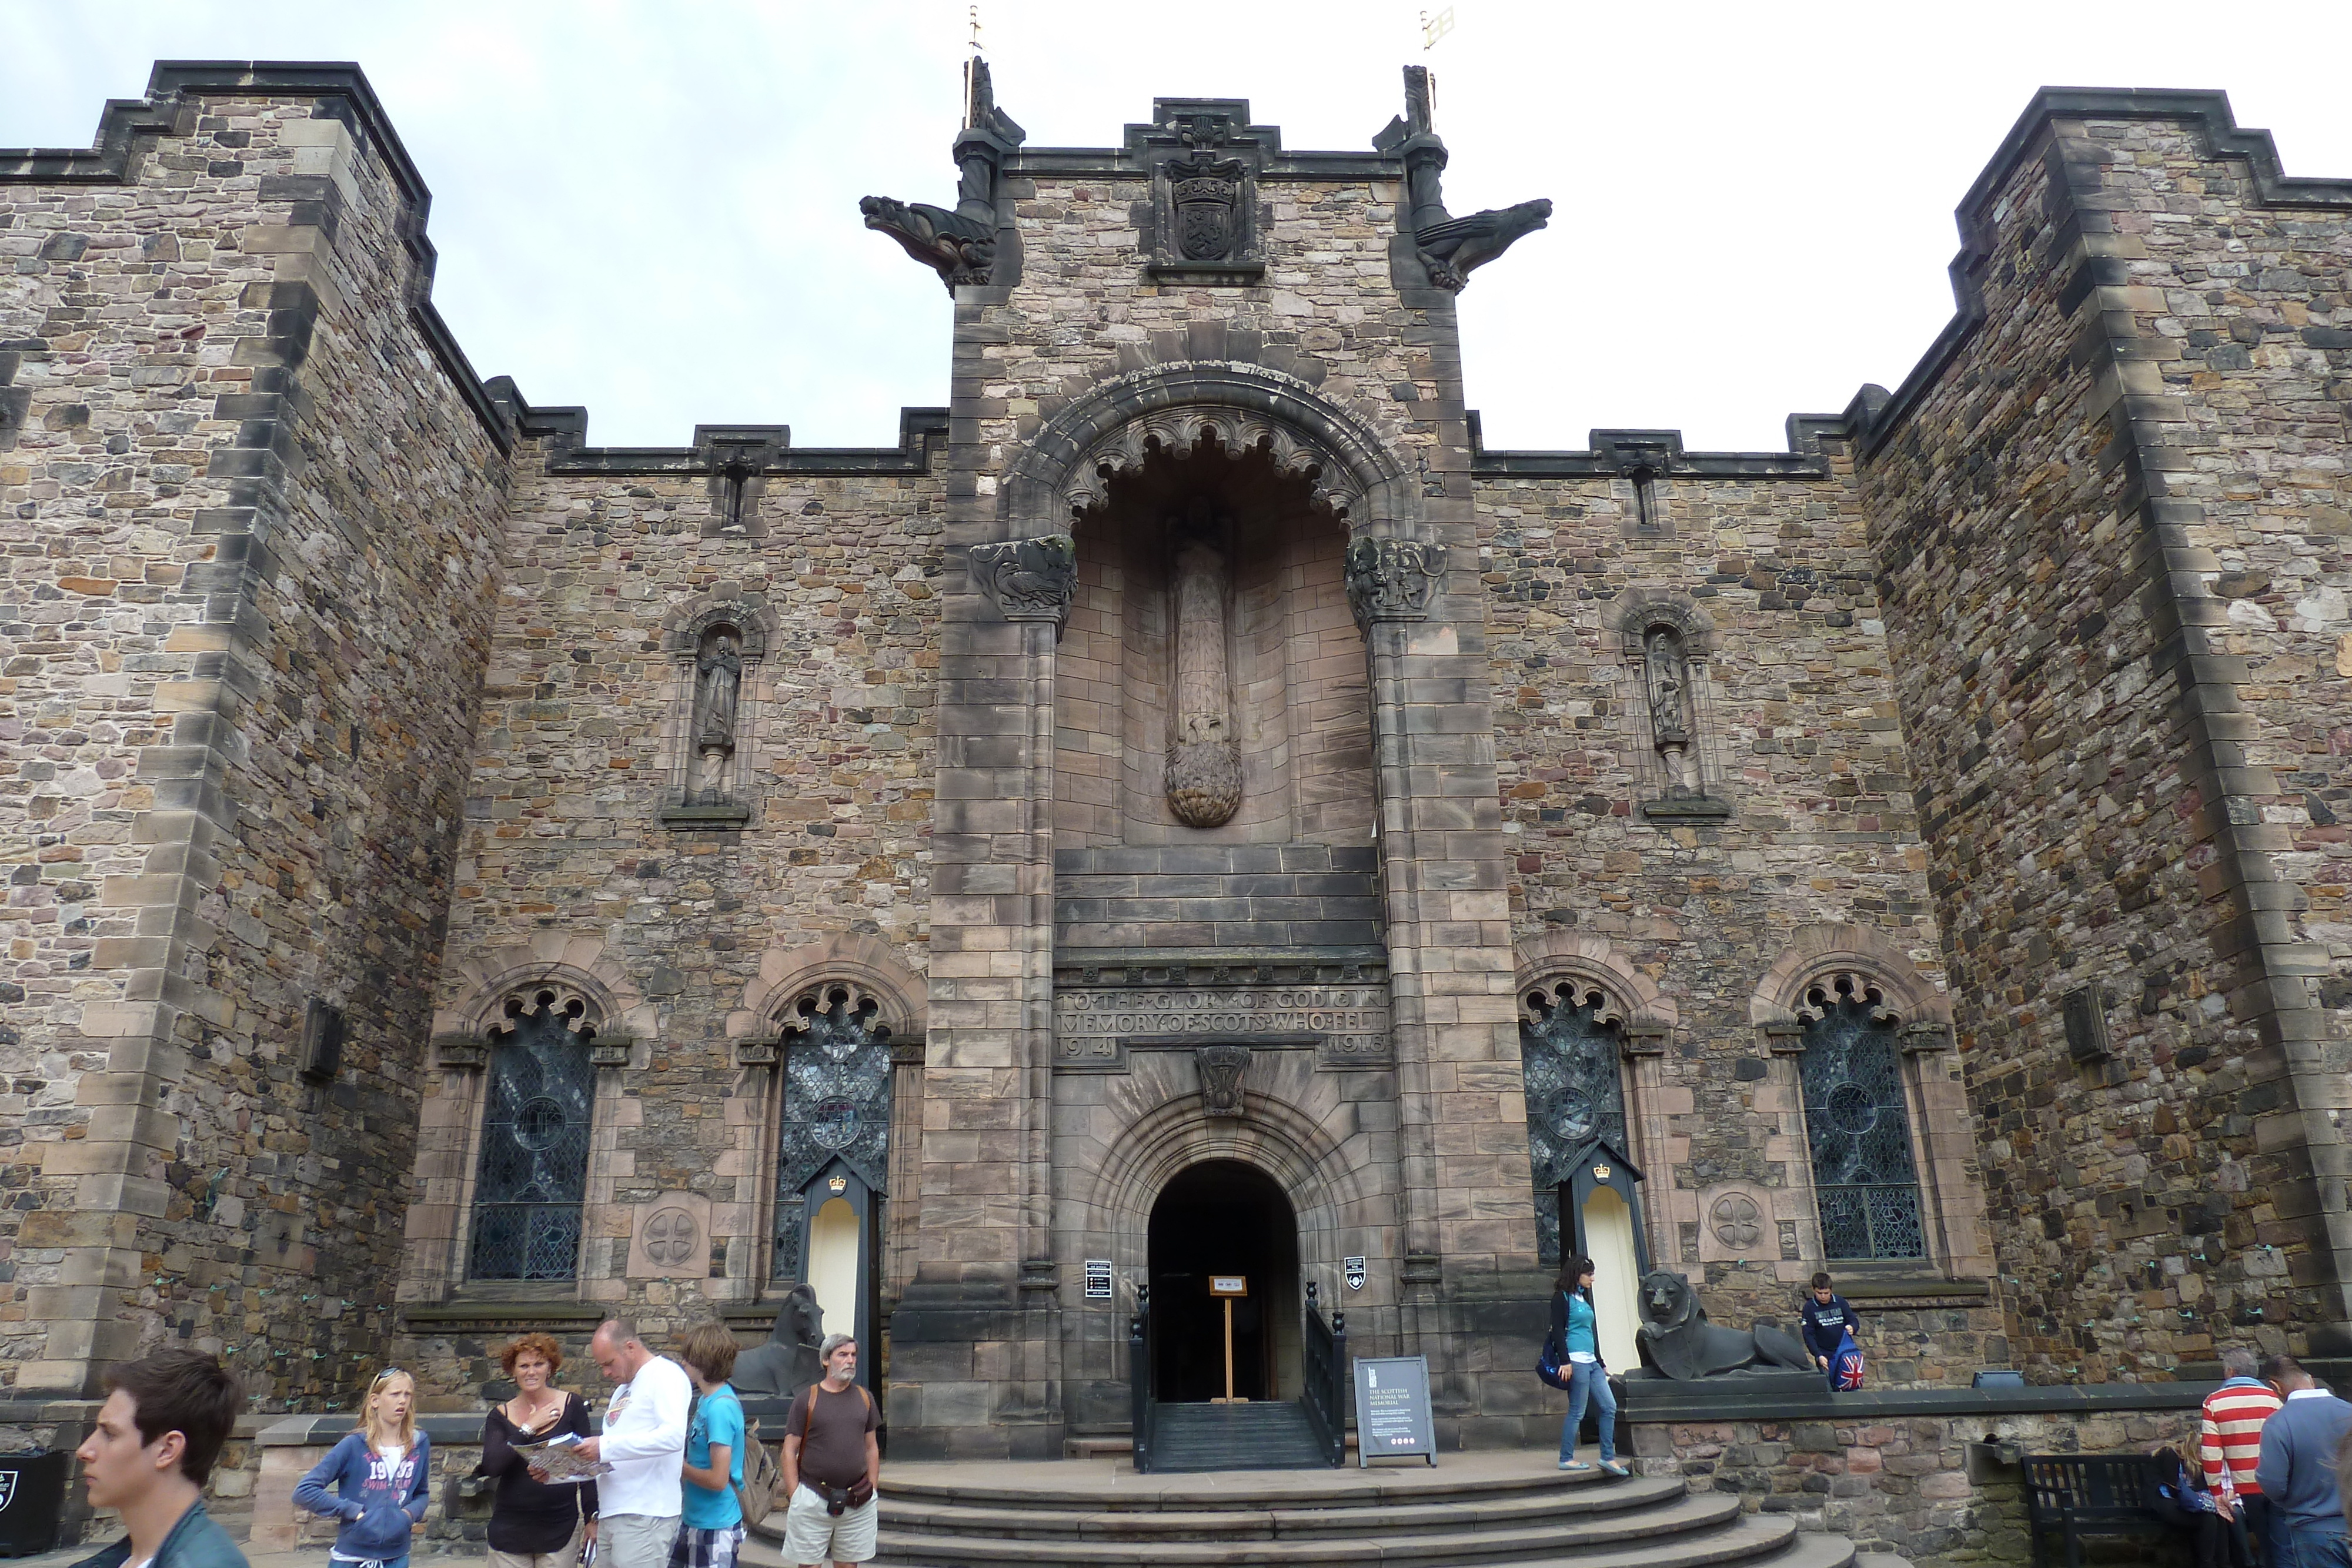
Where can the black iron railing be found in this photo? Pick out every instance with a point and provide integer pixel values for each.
(1138, 1378)
(1324, 1396)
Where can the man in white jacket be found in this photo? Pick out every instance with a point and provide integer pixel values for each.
(645, 1442)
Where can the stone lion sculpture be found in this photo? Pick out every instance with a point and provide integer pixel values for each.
(787, 1362)
(1677, 1340)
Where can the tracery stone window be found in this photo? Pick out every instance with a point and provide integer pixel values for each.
(1858, 1125)
(835, 1115)
(1571, 1046)
(533, 1175)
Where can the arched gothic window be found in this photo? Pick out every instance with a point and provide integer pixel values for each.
(836, 1110)
(533, 1175)
(1858, 1125)
(1571, 1045)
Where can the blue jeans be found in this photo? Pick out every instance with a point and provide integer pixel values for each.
(2319, 1549)
(1589, 1380)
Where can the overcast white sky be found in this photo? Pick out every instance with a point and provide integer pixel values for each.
(652, 209)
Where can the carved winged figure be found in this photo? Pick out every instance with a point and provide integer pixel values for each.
(962, 248)
(1452, 248)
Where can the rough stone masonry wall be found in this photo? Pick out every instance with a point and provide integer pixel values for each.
(2251, 305)
(1903, 1484)
(1801, 739)
(2068, 795)
(250, 530)
(564, 853)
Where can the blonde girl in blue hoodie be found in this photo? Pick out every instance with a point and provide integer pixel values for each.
(379, 1473)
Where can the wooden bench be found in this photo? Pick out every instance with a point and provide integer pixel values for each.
(2074, 1495)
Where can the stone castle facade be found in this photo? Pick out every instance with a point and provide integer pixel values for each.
(462, 878)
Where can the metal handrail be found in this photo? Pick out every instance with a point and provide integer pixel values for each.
(1323, 1355)
(1138, 1378)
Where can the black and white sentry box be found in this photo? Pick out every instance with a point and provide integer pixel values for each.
(1392, 1418)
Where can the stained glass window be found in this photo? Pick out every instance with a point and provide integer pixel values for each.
(836, 1107)
(534, 1171)
(1858, 1129)
(1574, 1095)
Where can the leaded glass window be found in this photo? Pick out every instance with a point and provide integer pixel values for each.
(1858, 1128)
(836, 1107)
(534, 1170)
(1575, 1093)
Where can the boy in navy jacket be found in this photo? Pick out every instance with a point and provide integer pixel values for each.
(1828, 1319)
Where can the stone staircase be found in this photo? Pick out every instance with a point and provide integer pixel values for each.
(1473, 1509)
(1263, 1435)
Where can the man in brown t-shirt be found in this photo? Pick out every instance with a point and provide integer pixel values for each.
(833, 1462)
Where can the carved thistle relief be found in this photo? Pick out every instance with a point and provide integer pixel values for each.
(1205, 765)
(1391, 579)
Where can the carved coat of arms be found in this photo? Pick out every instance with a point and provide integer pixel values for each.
(1208, 198)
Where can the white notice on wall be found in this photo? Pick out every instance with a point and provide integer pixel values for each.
(1098, 1285)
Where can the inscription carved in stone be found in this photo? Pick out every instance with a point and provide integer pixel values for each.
(1095, 1028)
(1204, 765)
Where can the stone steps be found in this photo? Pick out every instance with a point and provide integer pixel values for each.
(1472, 1511)
(1264, 1436)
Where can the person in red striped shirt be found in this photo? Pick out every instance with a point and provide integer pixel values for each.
(2231, 1442)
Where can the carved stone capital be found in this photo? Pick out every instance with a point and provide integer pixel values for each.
(1391, 579)
(1028, 580)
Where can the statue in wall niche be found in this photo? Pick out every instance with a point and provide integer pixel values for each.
(1677, 1341)
(1205, 765)
(1449, 247)
(1666, 673)
(717, 683)
(788, 1361)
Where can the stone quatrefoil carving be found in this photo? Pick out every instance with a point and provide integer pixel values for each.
(1181, 432)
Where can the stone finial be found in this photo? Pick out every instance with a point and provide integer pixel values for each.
(1391, 579)
(1029, 579)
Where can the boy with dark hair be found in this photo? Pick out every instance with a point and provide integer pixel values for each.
(1828, 1321)
(162, 1428)
(710, 1520)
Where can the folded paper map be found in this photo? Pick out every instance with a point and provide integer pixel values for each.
(558, 1459)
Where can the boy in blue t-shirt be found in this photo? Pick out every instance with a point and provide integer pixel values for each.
(710, 1520)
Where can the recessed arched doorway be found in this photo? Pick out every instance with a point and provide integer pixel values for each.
(1224, 1217)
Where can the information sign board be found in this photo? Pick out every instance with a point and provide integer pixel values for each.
(1392, 1410)
(1098, 1285)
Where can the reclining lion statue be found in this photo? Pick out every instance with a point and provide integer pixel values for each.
(1677, 1340)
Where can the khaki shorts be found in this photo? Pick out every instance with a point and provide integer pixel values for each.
(563, 1556)
(812, 1535)
(635, 1540)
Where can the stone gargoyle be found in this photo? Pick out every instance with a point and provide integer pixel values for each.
(1677, 1341)
(788, 1361)
(1449, 247)
(961, 245)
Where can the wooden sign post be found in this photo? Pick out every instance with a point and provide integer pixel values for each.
(1228, 1287)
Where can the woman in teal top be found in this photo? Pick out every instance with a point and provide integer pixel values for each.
(1577, 1331)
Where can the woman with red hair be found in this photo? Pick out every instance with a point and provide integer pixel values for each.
(535, 1524)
